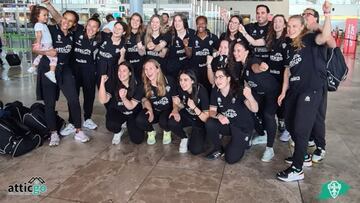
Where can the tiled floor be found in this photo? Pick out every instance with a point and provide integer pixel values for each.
(100, 172)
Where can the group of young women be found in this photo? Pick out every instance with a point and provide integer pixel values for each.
(186, 78)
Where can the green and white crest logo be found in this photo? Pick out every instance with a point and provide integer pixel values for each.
(333, 189)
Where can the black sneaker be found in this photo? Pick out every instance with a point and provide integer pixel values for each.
(291, 174)
(307, 160)
(318, 155)
(214, 154)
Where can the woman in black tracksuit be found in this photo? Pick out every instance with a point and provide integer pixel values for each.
(305, 92)
(265, 89)
(179, 48)
(122, 102)
(157, 102)
(190, 108)
(232, 33)
(218, 62)
(86, 41)
(156, 42)
(204, 43)
(278, 46)
(111, 52)
(135, 49)
(230, 112)
(48, 91)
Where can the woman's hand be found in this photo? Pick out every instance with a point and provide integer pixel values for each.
(209, 59)
(280, 98)
(122, 93)
(175, 115)
(242, 29)
(223, 119)
(191, 104)
(104, 78)
(326, 7)
(151, 115)
(186, 42)
(247, 93)
(263, 67)
(151, 46)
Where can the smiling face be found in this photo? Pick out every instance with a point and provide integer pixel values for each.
(279, 24)
(178, 23)
(118, 30)
(135, 22)
(155, 24)
(186, 82)
(68, 21)
(261, 15)
(43, 16)
(240, 53)
(224, 47)
(234, 24)
(124, 73)
(92, 27)
(294, 27)
(221, 80)
(201, 25)
(309, 16)
(151, 71)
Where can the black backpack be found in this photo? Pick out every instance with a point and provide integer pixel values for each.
(36, 120)
(336, 68)
(15, 138)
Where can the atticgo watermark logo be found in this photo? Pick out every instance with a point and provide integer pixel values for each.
(35, 186)
(333, 189)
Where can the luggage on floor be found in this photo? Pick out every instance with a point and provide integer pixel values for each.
(13, 59)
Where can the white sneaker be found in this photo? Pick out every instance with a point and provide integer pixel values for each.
(69, 129)
(268, 154)
(285, 136)
(51, 76)
(54, 139)
(183, 148)
(89, 124)
(151, 137)
(31, 70)
(259, 140)
(81, 137)
(117, 137)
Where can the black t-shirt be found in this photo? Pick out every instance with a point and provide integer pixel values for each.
(233, 108)
(63, 44)
(238, 38)
(304, 74)
(118, 104)
(200, 50)
(84, 47)
(177, 59)
(261, 83)
(202, 101)
(165, 102)
(258, 32)
(151, 54)
(278, 57)
(132, 54)
(109, 51)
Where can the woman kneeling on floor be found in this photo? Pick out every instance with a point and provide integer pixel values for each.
(230, 115)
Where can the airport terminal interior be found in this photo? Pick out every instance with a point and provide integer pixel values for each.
(98, 171)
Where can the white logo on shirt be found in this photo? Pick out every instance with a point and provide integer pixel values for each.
(283, 45)
(162, 101)
(167, 88)
(196, 44)
(233, 100)
(261, 31)
(81, 37)
(307, 98)
(211, 42)
(59, 39)
(276, 57)
(230, 113)
(252, 84)
(296, 60)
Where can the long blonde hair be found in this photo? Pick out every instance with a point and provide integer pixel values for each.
(297, 41)
(160, 81)
(149, 30)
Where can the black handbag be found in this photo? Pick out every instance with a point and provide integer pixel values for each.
(13, 59)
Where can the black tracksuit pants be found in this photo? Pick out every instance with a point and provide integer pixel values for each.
(114, 120)
(235, 149)
(301, 114)
(267, 109)
(197, 138)
(319, 129)
(66, 83)
(159, 117)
